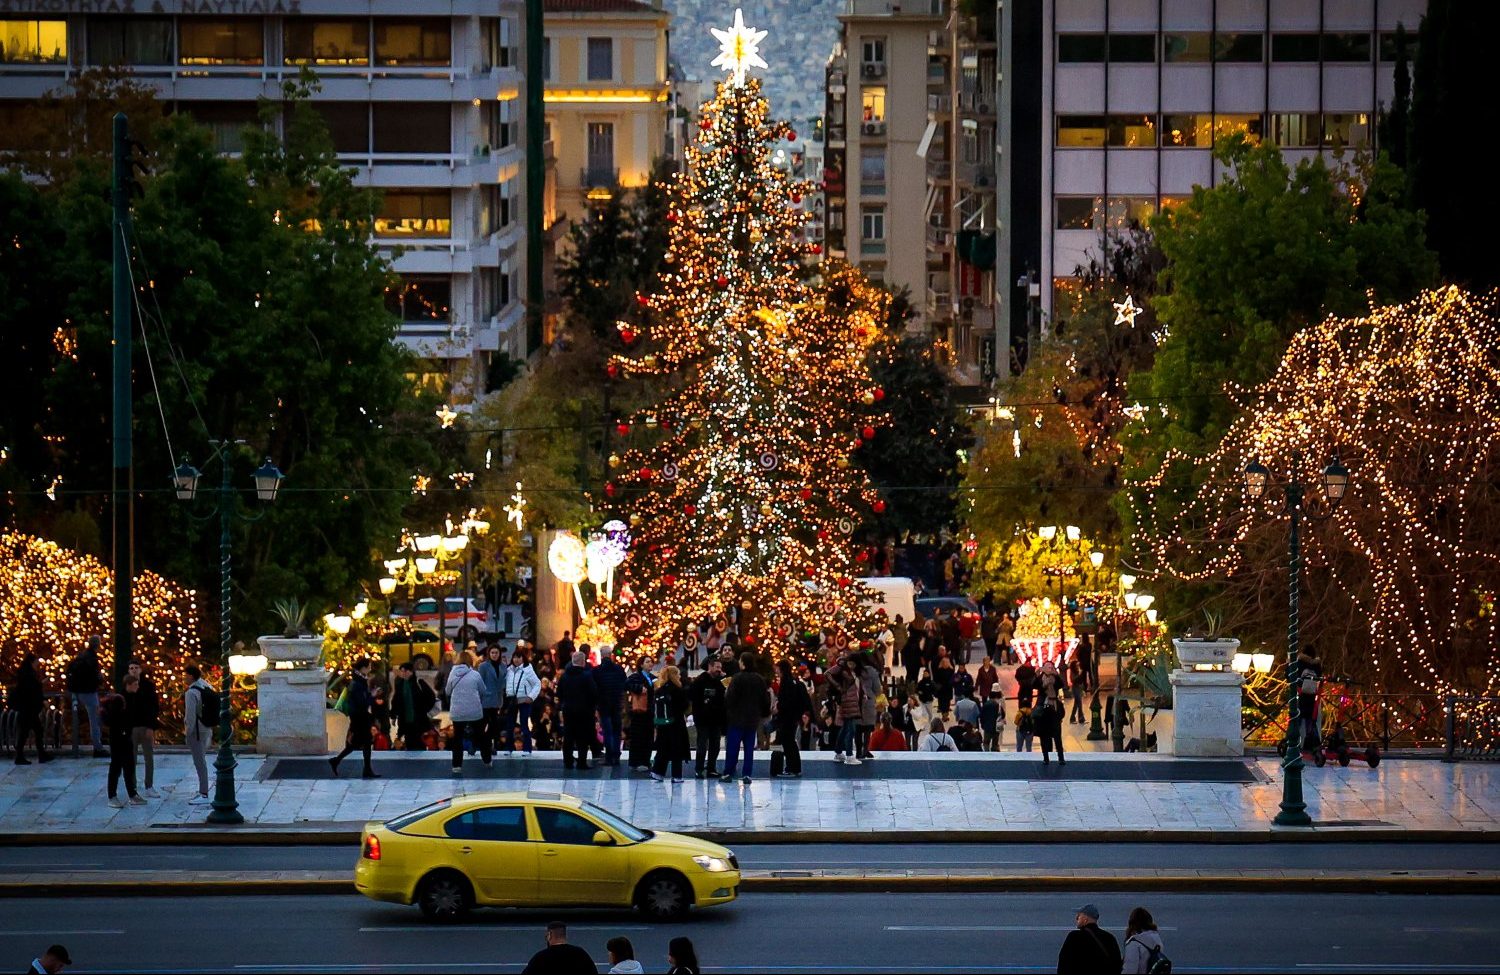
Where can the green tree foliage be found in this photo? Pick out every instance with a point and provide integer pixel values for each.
(262, 304)
(1395, 124)
(1452, 85)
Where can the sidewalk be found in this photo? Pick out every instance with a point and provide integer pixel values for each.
(1402, 798)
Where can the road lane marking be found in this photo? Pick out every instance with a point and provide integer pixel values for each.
(990, 927)
(501, 927)
(55, 933)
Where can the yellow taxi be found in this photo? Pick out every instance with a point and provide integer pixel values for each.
(535, 849)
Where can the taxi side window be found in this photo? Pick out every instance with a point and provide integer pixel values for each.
(561, 826)
(503, 824)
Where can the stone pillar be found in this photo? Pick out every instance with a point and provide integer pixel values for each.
(554, 598)
(292, 698)
(1206, 714)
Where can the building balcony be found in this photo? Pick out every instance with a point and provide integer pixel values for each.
(938, 170)
(872, 248)
(939, 105)
(977, 175)
(895, 8)
(979, 103)
(938, 236)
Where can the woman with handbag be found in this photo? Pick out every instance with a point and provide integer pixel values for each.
(669, 716)
(522, 685)
(466, 709)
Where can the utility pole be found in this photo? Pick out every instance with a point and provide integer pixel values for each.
(122, 481)
(536, 175)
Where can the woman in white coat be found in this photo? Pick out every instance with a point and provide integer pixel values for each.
(522, 687)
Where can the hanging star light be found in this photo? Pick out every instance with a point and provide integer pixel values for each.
(514, 510)
(1125, 311)
(446, 415)
(739, 49)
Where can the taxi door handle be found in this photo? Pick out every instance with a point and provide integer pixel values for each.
(549, 853)
(466, 849)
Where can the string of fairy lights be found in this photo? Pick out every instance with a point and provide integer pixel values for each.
(1409, 399)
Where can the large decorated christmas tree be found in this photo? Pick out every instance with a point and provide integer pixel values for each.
(737, 482)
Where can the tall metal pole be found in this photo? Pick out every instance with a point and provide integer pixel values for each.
(122, 483)
(226, 808)
(536, 176)
(1293, 808)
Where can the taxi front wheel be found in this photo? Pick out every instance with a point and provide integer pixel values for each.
(445, 896)
(664, 896)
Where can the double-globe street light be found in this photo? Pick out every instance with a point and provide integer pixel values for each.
(1335, 484)
(267, 480)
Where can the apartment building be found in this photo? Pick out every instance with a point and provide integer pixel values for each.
(423, 102)
(874, 176)
(608, 96)
(1110, 110)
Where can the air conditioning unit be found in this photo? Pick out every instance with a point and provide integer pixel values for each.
(982, 180)
(967, 305)
(984, 109)
(873, 128)
(874, 70)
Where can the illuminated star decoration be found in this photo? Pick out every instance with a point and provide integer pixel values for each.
(446, 415)
(513, 511)
(1125, 311)
(739, 49)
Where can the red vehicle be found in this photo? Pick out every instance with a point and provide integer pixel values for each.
(462, 618)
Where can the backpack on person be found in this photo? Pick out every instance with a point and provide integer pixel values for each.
(945, 742)
(208, 707)
(1157, 962)
(662, 712)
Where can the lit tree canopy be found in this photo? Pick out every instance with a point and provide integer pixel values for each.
(737, 481)
(1403, 576)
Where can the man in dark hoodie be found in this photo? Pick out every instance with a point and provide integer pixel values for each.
(83, 690)
(578, 700)
(706, 695)
(747, 703)
(609, 680)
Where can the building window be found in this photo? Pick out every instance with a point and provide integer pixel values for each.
(1117, 48)
(500, 123)
(873, 50)
(238, 41)
(348, 125)
(499, 38)
(226, 120)
(413, 127)
(1132, 48)
(1253, 127)
(1132, 131)
(415, 213)
(1076, 212)
(601, 59)
(1240, 48)
(1294, 47)
(498, 289)
(1389, 50)
(333, 43)
(1080, 48)
(411, 43)
(1346, 129)
(33, 42)
(1093, 131)
(1347, 48)
(1168, 202)
(1187, 130)
(421, 298)
(601, 155)
(1129, 211)
(130, 40)
(872, 223)
(1295, 130)
(1195, 46)
(497, 207)
(872, 104)
(872, 172)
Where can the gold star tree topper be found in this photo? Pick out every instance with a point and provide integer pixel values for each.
(739, 49)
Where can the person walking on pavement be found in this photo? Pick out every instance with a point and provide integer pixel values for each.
(1048, 718)
(747, 703)
(56, 958)
(361, 722)
(609, 680)
(669, 704)
(578, 699)
(466, 710)
(27, 696)
(144, 708)
(911, 652)
(1025, 729)
(83, 690)
(1089, 949)
(706, 695)
(522, 687)
(1143, 944)
(115, 709)
(1088, 663)
(559, 957)
(1025, 683)
(682, 958)
(199, 715)
(792, 702)
(1077, 677)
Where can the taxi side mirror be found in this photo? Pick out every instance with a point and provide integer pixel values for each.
(601, 838)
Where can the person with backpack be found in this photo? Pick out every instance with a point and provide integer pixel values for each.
(1088, 949)
(200, 714)
(1143, 946)
(669, 716)
(706, 695)
(1025, 729)
(747, 703)
(938, 739)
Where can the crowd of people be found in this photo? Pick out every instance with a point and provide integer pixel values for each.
(560, 957)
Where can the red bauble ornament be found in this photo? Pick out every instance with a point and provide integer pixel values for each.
(669, 579)
(809, 570)
(822, 534)
(805, 494)
(783, 631)
(749, 639)
(879, 394)
(627, 335)
(865, 644)
(610, 489)
(796, 197)
(862, 557)
(868, 433)
(861, 331)
(612, 370)
(705, 124)
(671, 216)
(843, 580)
(622, 428)
(879, 507)
(817, 248)
(721, 281)
(690, 509)
(643, 300)
(646, 476)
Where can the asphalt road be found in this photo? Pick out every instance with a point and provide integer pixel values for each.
(1306, 856)
(795, 933)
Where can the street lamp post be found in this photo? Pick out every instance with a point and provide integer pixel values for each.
(267, 478)
(1335, 483)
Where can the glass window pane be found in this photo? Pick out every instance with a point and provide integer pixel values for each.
(348, 125)
(327, 42)
(1195, 46)
(562, 826)
(1132, 48)
(1251, 125)
(1348, 129)
(238, 41)
(872, 167)
(413, 127)
(227, 120)
(601, 64)
(1354, 48)
(408, 213)
(1389, 50)
(1295, 129)
(1132, 131)
(1187, 129)
(1076, 212)
(1294, 47)
(1127, 211)
(1240, 48)
(1080, 131)
(413, 42)
(33, 42)
(500, 824)
(1080, 48)
(120, 40)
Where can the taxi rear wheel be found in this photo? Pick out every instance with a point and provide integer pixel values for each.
(445, 896)
(664, 896)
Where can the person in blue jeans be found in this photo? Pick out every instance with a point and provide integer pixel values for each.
(609, 679)
(83, 686)
(522, 686)
(747, 703)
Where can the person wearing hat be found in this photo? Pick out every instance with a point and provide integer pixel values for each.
(1089, 949)
(53, 960)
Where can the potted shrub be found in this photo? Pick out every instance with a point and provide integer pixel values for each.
(1208, 647)
(292, 645)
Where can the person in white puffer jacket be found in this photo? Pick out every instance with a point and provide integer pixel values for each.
(466, 710)
(1141, 939)
(522, 687)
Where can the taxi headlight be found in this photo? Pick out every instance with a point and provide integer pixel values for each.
(713, 864)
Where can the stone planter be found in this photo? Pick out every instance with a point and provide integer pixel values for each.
(1192, 651)
(1206, 715)
(303, 650)
(292, 694)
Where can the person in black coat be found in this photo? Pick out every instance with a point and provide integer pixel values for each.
(792, 702)
(83, 689)
(609, 680)
(911, 652)
(410, 703)
(361, 722)
(1090, 949)
(669, 714)
(638, 693)
(578, 698)
(119, 723)
(26, 699)
(706, 695)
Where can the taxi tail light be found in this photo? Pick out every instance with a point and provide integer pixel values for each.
(372, 848)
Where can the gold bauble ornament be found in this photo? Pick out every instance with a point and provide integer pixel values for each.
(767, 510)
(614, 460)
(777, 379)
(744, 543)
(650, 361)
(841, 461)
(868, 398)
(635, 519)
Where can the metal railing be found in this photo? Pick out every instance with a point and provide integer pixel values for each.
(1402, 721)
(1471, 731)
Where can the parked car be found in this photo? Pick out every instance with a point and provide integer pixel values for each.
(419, 647)
(463, 619)
(930, 606)
(536, 849)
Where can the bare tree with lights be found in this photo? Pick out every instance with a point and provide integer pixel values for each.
(738, 483)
